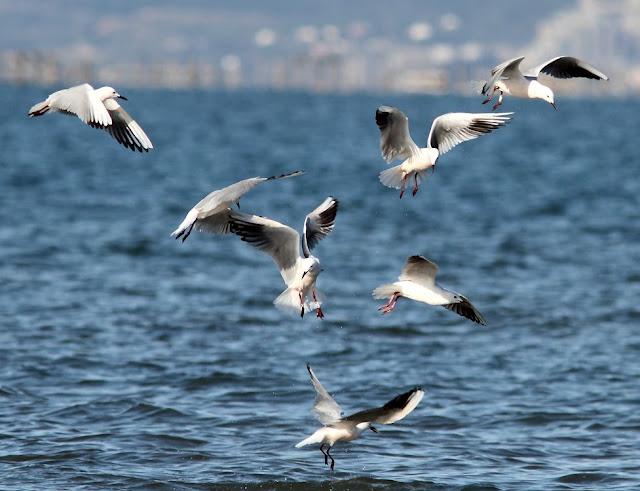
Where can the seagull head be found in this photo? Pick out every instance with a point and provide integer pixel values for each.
(109, 93)
(540, 91)
(313, 270)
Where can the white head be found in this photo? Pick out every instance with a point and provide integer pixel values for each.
(107, 92)
(539, 91)
(311, 268)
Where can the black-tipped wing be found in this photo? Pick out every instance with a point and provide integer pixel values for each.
(568, 67)
(318, 224)
(125, 130)
(395, 139)
(325, 407)
(394, 410)
(450, 129)
(466, 309)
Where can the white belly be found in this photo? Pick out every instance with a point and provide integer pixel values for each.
(516, 87)
(420, 162)
(419, 293)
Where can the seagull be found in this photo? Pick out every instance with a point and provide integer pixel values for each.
(507, 78)
(344, 429)
(97, 108)
(447, 131)
(282, 243)
(211, 213)
(417, 281)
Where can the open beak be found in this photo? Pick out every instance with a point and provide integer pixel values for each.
(122, 97)
(554, 105)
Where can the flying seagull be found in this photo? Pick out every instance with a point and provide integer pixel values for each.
(97, 108)
(282, 243)
(507, 78)
(417, 281)
(211, 213)
(447, 131)
(344, 429)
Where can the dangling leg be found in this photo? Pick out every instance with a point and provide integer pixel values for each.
(326, 462)
(319, 312)
(333, 462)
(404, 184)
(301, 305)
(188, 232)
(415, 186)
(391, 304)
(499, 103)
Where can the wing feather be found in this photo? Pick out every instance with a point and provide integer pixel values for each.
(318, 224)
(419, 269)
(451, 129)
(394, 410)
(325, 407)
(82, 101)
(466, 309)
(395, 139)
(568, 67)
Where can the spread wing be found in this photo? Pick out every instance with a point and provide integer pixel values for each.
(125, 129)
(326, 409)
(568, 67)
(450, 129)
(82, 101)
(394, 410)
(466, 309)
(395, 139)
(419, 269)
(279, 241)
(505, 70)
(318, 224)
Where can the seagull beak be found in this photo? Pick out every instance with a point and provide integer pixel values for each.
(554, 105)
(122, 97)
(374, 429)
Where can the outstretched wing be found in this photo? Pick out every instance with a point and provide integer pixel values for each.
(82, 101)
(125, 129)
(318, 224)
(568, 67)
(394, 410)
(395, 139)
(279, 241)
(505, 70)
(466, 309)
(419, 269)
(326, 409)
(450, 129)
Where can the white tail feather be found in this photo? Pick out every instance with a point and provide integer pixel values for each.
(186, 223)
(317, 437)
(392, 178)
(289, 301)
(384, 291)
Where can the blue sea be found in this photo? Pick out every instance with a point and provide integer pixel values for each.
(129, 360)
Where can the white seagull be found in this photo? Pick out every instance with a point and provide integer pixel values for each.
(283, 243)
(97, 108)
(417, 281)
(507, 78)
(447, 131)
(211, 213)
(344, 429)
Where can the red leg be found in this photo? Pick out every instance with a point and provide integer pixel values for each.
(390, 305)
(404, 184)
(499, 103)
(319, 312)
(415, 187)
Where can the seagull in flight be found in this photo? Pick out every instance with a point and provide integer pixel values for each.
(417, 281)
(506, 78)
(447, 131)
(299, 270)
(344, 429)
(211, 214)
(97, 108)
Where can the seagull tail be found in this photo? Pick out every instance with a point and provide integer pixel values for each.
(289, 301)
(39, 109)
(392, 178)
(317, 437)
(384, 291)
(185, 227)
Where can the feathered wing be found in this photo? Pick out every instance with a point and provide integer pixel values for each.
(568, 67)
(505, 70)
(279, 241)
(395, 139)
(124, 129)
(82, 101)
(419, 269)
(394, 410)
(466, 309)
(318, 224)
(326, 409)
(451, 129)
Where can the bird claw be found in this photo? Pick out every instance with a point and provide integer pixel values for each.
(319, 313)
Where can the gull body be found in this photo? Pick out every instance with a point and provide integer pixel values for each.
(417, 282)
(447, 131)
(212, 213)
(507, 78)
(345, 429)
(292, 254)
(99, 109)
